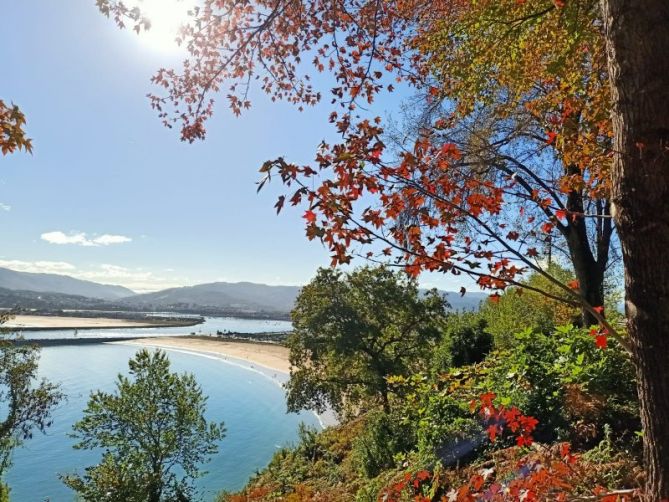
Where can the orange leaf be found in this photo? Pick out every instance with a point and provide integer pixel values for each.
(310, 216)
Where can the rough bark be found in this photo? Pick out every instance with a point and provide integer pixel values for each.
(637, 38)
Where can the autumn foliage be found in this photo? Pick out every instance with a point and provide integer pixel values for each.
(12, 133)
(512, 157)
(428, 206)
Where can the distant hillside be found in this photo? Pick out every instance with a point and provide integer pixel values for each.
(251, 297)
(19, 299)
(470, 301)
(240, 296)
(51, 291)
(53, 283)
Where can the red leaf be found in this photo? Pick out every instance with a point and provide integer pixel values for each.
(310, 216)
(601, 341)
(550, 139)
(477, 481)
(452, 151)
(413, 270)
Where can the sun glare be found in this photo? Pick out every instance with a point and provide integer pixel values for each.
(166, 17)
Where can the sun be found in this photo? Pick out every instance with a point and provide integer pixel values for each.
(166, 17)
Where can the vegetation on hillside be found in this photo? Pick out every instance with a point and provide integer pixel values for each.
(547, 412)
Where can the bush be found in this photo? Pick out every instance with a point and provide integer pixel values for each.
(569, 384)
(518, 309)
(382, 439)
(443, 427)
(562, 379)
(465, 341)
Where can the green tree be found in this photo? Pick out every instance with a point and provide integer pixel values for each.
(466, 340)
(26, 402)
(153, 433)
(517, 308)
(352, 331)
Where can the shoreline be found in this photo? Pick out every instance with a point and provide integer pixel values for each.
(59, 323)
(271, 359)
(271, 356)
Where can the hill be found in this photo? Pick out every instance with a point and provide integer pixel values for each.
(22, 299)
(251, 297)
(54, 283)
(52, 291)
(240, 296)
(470, 301)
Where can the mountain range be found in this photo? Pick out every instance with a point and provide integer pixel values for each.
(52, 291)
(54, 283)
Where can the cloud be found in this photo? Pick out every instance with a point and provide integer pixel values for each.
(5, 207)
(82, 239)
(107, 239)
(42, 267)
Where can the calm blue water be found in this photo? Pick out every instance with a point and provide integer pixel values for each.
(250, 402)
(210, 326)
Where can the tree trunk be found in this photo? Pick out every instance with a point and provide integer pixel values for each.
(589, 269)
(591, 286)
(589, 272)
(637, 39)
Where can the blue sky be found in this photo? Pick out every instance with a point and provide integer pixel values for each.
(111, 195)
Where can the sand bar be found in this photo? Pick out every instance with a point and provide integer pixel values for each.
(272, 356)
(66, 322)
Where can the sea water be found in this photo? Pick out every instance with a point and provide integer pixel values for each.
(249, 400)
(210, 326)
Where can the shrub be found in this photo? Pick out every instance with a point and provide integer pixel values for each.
(518, 309)
(465, 341)
(382, 439)
(568, 383)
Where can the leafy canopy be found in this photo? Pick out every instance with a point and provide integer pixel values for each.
(353, 331)
(152, 432)
(518, 309)
(543, 57)
(27, 401)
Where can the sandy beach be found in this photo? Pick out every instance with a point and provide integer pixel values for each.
(273, 357)
(269, 356)
(66, 322)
